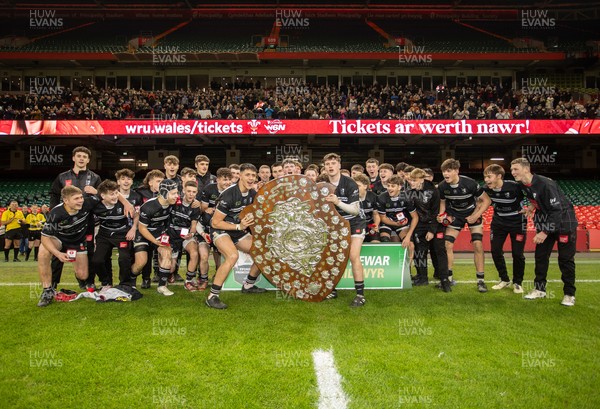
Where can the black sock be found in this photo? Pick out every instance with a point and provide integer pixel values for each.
(449, 273)
(215, 290)
(480, 276)
(189, 276)
(16, 252)
(249, 281)
(203, 277)
(6, 253)
(360, 287)
(27, 253)
(163, 276)
(36, 251)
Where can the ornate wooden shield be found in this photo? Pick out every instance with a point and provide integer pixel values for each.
(300, 242)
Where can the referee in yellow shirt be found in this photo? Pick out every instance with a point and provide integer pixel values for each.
(35, 220)
(12, 218)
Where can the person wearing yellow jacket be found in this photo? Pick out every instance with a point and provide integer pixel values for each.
(12, 218)
(35, 220)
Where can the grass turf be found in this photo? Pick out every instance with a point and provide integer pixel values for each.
(415, 348)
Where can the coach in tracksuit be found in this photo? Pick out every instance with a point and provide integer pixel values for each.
(555, 222)
(508, 220)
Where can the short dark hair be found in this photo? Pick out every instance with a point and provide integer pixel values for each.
(362, 178)
(191, 183)
(248, 166)
(358, 167)
(400, 166)
(187, 171)
(495, 169)
(386, 166)
(450, 164)
(155, 173)
(234, 166)
(107, 186)
(224, 173)
(124, 173)
(201, 158)
(82, 149)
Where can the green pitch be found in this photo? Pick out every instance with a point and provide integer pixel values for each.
(414, 348)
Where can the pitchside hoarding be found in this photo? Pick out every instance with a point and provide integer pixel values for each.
(301, 127)
(385, 267)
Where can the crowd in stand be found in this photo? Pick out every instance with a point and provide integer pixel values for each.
(300, 102)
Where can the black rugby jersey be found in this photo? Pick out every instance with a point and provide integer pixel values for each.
(378, 187)
(154, 216)
(347, 191)
(182, 216)
(368, 206)
(461, 198)
(427, 205)
(508, 203)
(209, 197)
(113, 220)
(391, 206)
(71, 228)
(231, 202)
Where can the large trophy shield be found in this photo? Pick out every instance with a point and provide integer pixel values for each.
(300, 242)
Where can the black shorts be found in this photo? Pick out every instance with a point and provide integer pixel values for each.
(459, 222)
(141, 244)
(358, 227)
(35, 235)
(14, 234)
(79, 246)
(235, 235)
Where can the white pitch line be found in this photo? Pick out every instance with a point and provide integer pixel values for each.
(331, 394)
(457, 281)
(528, 281)
(552, 262)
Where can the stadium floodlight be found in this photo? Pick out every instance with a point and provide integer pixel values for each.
(498, 159)
(126, 160)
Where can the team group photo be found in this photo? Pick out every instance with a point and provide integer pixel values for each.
(290, 204)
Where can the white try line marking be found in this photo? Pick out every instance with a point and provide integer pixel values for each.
(331, 394)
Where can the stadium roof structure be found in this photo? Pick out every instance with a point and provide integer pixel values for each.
(374, 33)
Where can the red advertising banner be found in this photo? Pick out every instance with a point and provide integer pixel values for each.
(302, 127)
